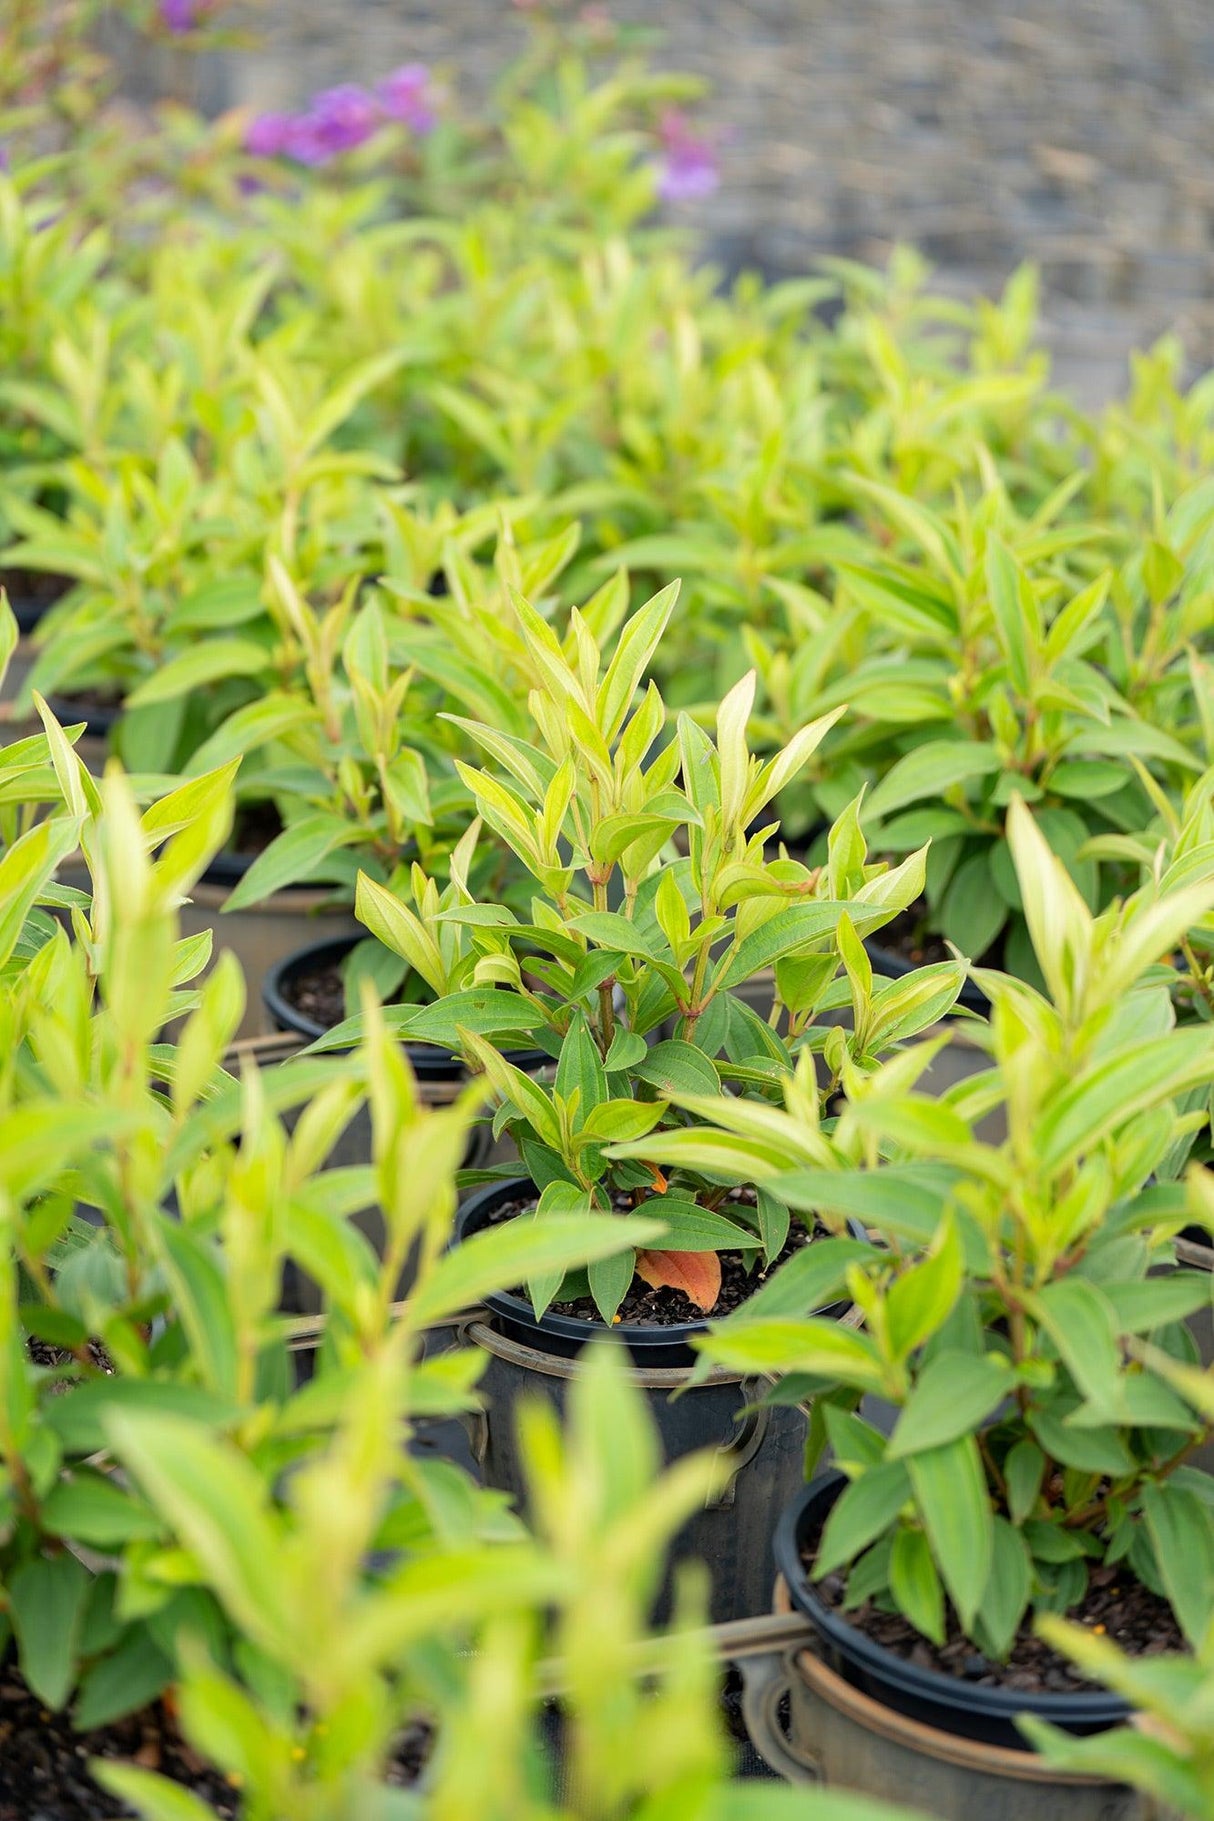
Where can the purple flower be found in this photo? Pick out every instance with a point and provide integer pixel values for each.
(180, 15)
(687, 171)
(341, 118)
(269, 135)
(405, 96)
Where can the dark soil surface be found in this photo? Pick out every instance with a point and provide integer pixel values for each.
(907, 938)
(255, 826)
(42, 1353)
(44, 1763)
(646, 1307)
(1117, 1606)
(32, 591)
(44, 1774)
(318, 993)
(86, 703)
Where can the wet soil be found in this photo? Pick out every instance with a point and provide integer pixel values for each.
(255, 826)
(43, 1353)
(87, 705)
(908, 938)
(647, 1307)
(31, 592)
(44, 1762)
(1116, 1606)
(319, 993)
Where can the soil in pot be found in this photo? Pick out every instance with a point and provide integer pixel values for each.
(665, 1307)
(953, 1687)
(32, 592)
(317, 991)
(99, 708)
(44, 1762)
(1117, 1607)
(306, 993)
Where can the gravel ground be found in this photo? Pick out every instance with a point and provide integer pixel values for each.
(1079, 133)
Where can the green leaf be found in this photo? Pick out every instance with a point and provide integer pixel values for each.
(864, 1511)
(920, 1300)
(79, 1416)
(972, 913)
(820, 1348)
(674, 1067)
(1135, 1077)
(625, 1051)
(789, 929)
(291, 857)
(1182, 1530)
(122, 1682)
(504, 1256)
(218, 1504)
(1015, 611)
(610, 1281)
(1023, 1473)
(46, 1600)
(954, 1395)
(1081, 1324)
(1006, 1598)
(1122, 1756)
(928, 771)
(638, 641)
(694, 1229)
(913, 1004)
(1154, 1302)
(209, 661)
(1091, 1450)
(915, 1585)
(580, 1068)
(954, 1505)
(813, 1277)
(154, 1797)
(92, 1508)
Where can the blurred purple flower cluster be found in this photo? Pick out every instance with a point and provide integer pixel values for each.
(687, 171)
(182, 15)
(339, 119)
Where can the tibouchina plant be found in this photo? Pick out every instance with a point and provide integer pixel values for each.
(996, 657)
(1034, 1440)
(150, 1204)
(1168, 1751)
(625, 937)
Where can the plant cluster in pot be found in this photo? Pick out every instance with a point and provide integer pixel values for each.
(1006, 655)
(589, 808)
(1024, 1318)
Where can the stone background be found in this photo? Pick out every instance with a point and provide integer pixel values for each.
(1078, 133)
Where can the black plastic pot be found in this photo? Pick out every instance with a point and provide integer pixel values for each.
(763, 1444)
(925, 1695)
(895, 966)
(566, 1335)
(428, 1062)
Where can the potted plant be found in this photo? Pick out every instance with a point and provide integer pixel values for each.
(1034, 1458)
(1165, 1751)
(349, 766)
(589, 809)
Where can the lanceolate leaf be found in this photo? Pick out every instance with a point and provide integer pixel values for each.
(954, 1505)
(865, 1510)
(955, 1393)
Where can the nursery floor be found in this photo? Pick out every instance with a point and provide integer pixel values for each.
(1073, 134)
